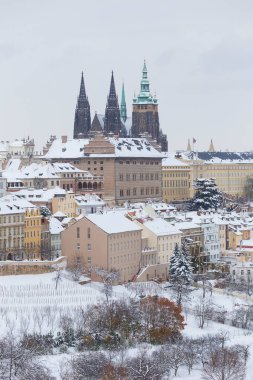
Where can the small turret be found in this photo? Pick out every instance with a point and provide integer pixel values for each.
(211, 147)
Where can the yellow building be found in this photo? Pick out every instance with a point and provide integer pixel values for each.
(176, 180)
(230, 170)
(66, 204)
(32, 233)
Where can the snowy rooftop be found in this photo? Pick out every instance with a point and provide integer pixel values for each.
(39, 195)
(124, 147)
(89, 199)
(160, 227)
(113, 222)
(55, 226)
(73, 148)
(221, 157)
(170, 160)
(134, 147)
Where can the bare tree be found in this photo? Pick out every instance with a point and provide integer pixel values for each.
(203, 310)
(58, 275)
(108, 277)
(225, 363)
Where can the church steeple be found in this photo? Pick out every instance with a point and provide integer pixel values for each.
(211, 147)
(82, 122)
(123, 109)
(112, 122)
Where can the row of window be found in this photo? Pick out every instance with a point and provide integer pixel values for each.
(12, 219)
(78, 233)
(176, 183)
(139, 162)
(141, 191)
(141, 177)
(173, 175)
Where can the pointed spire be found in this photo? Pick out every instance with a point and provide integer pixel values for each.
(82, 94)
(123, 109)
(112, 93)
(82, 122)
(189, 149)
(211, 147)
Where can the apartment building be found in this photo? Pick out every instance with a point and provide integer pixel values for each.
(108, 241)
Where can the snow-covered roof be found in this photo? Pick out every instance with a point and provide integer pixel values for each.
(55, 226)
(89, 200)
(134, 147)
(124, 147)
(40, 195)
(113, 222)
(170, 160)
(220, 157)
(72, 148)
(13, 199)
(186, 225)
(10, 208)
(161, 228)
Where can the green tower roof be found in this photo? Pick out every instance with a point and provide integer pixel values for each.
(145, 97)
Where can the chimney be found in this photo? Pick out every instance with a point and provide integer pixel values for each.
(64, 139)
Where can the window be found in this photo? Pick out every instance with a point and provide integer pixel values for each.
(78, 246)
(88, 232)
(134, 177)
(78, 232)
(128, 192)
(142, 191)
(121, 177)
(89, 247)
(121, 193)
(134, 191)
(128, 177)
(141, 177)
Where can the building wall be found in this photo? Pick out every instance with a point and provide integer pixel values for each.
(11, 236)
(32, 234)
(65, 204)
(87, 244)
(230, 177)
(137, 179)
(176, 183)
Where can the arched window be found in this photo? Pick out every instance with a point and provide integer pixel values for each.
(89, 185)
(85, 185)
(95, 185)
(79, 185)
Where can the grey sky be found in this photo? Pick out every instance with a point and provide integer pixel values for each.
(199, 56)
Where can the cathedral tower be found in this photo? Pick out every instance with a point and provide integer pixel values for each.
(145, 116)
(82, 123)
(112, 122)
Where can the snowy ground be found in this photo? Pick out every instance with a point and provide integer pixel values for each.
(32, 303)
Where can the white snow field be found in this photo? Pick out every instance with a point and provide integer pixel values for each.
(31, 303)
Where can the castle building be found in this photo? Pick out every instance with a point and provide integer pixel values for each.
(145, 117)
(82, 122)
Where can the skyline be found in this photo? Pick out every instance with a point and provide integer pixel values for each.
(199, 58)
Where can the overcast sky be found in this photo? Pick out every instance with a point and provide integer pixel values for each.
(199, 57)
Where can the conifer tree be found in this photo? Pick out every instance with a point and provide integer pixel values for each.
(207, 195)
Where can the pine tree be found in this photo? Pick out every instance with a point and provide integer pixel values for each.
(180, 271)
(207, 195)
(173, 260)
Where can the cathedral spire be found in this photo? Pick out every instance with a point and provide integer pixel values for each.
(112, 121)
(82, 123)
(123, 109)
(82, 94)
(112, 93)
(211, 147)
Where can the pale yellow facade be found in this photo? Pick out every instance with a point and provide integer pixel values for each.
(66, 204)
(176, 183)
(32, 234)
(229, 177)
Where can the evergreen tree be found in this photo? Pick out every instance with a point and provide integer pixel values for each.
(173, 260)
(180, 271)
(207, 195)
